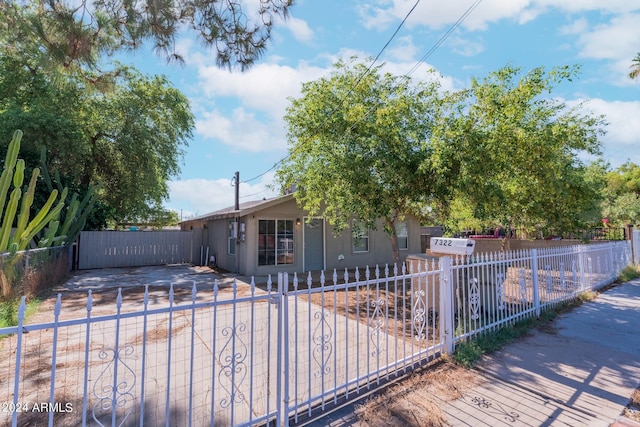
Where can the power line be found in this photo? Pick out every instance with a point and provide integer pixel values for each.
(445, 36)
(352, 88)
(254, 194)
(440, 41)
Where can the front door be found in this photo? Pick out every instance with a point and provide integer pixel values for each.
(313, 244)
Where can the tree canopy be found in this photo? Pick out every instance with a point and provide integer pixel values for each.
(518, 150)
(80, 33)
(358, 147)
(622, 195)
(368, 145)
(127, 140)
(103, 123)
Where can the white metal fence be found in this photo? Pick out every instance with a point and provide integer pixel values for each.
(249, 355)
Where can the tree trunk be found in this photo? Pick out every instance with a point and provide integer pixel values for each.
(393, 236)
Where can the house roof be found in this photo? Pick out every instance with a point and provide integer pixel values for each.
(246, 208)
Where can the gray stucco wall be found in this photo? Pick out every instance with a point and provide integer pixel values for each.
(246, 259)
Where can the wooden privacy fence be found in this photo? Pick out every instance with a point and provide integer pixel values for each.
(103, 249)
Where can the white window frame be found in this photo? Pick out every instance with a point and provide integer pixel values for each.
(402, 232)
(364, 236)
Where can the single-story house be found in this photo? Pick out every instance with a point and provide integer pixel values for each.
(275, 235)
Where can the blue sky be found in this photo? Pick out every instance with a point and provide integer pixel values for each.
(239, 124)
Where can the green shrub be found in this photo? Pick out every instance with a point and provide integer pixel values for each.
(9, 311)
(629, 273)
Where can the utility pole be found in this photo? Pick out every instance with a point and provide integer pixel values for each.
(237, 183)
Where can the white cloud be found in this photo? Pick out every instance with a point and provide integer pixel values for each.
(257, 124)
(261, 96)
(579, 26)
(242, 130)
(208, 195)
(264, 87)
(403, 49)
(620, 37)
(623, 133)
(616, 42)
(464, 46)
(299, 28)
(436, 14)
(573, 6)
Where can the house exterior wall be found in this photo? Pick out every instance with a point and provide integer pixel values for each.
(338, 250)
(218, 232)
(379, 252)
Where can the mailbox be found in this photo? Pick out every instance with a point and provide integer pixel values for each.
(445, 245)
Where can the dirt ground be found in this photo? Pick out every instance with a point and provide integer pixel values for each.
(415, 402)
(105, 283)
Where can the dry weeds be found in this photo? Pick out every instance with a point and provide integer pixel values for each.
(399, 313)
(415, 402)
(632, 410)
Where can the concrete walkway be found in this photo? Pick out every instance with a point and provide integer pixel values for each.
(580, 372)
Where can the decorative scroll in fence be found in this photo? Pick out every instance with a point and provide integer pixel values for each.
(248, 355)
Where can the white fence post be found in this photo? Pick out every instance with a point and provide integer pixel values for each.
(22, 310)
(581, 269)
(282, 416)
(611, 264)
(446, 305)
(635, 241)
(534, 280)
(54, 352)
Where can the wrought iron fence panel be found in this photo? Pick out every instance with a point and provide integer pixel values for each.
(491, 290)
(244, 355)
(200, 357)
(351, 332)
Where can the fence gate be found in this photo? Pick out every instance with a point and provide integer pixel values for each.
(352, 332)
(103, 249)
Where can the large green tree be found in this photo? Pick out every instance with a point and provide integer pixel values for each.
(359, 147)
(622, 195)
(80, 33)
(127, 140)
(517, 150)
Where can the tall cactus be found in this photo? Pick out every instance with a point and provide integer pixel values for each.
(26, 230)
(75, 216)
(9, 166)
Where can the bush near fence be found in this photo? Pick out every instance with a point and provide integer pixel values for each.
(33, 271)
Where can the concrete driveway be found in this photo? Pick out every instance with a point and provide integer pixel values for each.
(173, 365)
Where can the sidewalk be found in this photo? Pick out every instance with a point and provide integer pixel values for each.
(581, 371)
